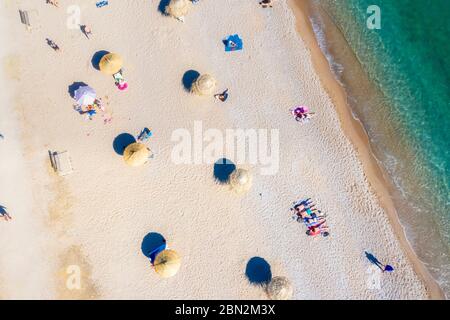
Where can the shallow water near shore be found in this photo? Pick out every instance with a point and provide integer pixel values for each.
(397, 81)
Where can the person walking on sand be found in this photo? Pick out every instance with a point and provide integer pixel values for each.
(375, 261)
(5, 215)
(86, 30)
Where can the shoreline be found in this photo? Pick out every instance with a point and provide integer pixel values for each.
(355, 132)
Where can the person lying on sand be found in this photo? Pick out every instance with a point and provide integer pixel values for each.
(86, 30)
(266, 3)
(322, 229)
(301, 208)
(307, 208)
(3, 214)
(305, 116)
(52, 44)
(315, 223)
(53, 2)
(90, 112)
(306, 202)
(222, 96)
(305, 217)
(145, 134)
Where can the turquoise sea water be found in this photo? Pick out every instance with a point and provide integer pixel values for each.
(401, 92)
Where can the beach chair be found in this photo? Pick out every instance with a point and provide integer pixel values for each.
(61, 162)
(24, 18)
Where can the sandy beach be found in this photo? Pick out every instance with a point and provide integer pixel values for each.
(97, 217)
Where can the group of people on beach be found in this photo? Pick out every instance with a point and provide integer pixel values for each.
(314, 219)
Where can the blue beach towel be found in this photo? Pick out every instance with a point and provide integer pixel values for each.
(101, 3)
(238, 44)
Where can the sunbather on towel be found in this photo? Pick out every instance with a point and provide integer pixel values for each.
(222, 96)
(305, 208)
(90, 112)
(315, 223)
(323, 229)
(4, 214)
(86, 30)
(231, 44)
(303, 216)
(53, 2)
(145, 134)
(306, 202)
(305, 116)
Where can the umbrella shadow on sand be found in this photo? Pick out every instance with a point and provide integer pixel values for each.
(189, 78)
(74, 87)
(223, 168)
(151, 241)
(162, 6)
(97, 57)
(122, 141)
(258, 271)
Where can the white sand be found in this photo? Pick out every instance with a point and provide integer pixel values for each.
(26, 258)
(100, 214)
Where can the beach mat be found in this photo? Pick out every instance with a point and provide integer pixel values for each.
(238, 41)
(101, 4)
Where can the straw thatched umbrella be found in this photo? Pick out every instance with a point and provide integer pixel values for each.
(136, 154)
(85, 96)
(204, 85)
(167, 263)
(241, 180)
(280, 288)
(178, 8)
(110, 63)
